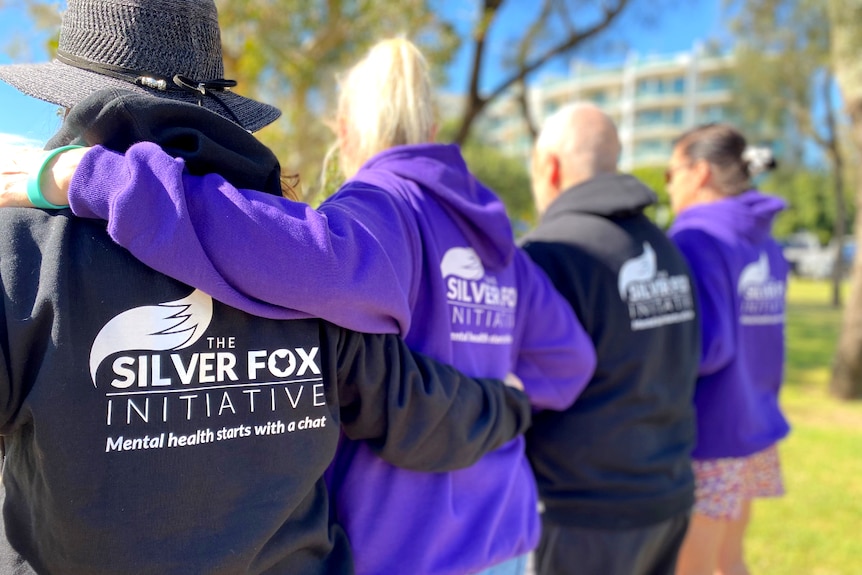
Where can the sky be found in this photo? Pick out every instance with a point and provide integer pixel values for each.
(682, 24)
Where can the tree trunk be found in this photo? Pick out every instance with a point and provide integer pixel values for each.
(846, 24)
(839, 230)
(847, 373)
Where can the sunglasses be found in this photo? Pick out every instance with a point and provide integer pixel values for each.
(668, 173)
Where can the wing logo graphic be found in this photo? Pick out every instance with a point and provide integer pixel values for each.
(754, 274)
(639, 269)
(463, 263)
(162, 327)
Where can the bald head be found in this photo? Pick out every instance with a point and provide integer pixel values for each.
(577, 143)
(584, 138)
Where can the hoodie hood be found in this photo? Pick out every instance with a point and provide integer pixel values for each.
(438, 171)
(748, 215)
(606, 195)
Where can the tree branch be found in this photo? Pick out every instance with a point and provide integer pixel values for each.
(524, 106)
(573, 40)
(476, 102)
(524, 49)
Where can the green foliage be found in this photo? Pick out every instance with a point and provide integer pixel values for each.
(507, 176)
(811, 200)
(654, 178)
(783, 51)
(331, 178)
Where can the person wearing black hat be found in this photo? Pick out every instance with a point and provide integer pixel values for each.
(148, 428)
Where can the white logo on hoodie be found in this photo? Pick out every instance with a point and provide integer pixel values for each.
(483, 311)
(762, 297)
(463, 263)
(158, 396)
(162, 327)
(639, 269)
(654, 298)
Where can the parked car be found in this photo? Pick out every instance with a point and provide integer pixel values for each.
(799, 246)
(819, 264)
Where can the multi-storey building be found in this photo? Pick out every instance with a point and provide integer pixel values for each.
(652, 99)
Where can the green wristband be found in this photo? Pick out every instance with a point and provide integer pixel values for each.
(34, 190)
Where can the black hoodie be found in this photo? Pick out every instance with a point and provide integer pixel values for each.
(620, 456)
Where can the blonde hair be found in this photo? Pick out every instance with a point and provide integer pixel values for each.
(386, 100)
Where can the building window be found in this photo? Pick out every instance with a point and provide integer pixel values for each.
(713, 114)
(660, 86)
(598, 98)
(651, 150)
(659, 117)
(653, 145)
(715, 83)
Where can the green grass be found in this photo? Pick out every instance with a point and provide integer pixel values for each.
(816, 529)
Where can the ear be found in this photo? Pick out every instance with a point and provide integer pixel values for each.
(341, 128)
(701, 172)
(555, 174)
(545, 168)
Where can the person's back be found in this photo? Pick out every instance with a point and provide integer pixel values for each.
(477, 302)
(723, 227)
(617, 461)
(619, 457)
(150, 429)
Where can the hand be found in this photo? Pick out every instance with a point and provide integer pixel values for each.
(513, 380)
(16, 162)
(16, 165)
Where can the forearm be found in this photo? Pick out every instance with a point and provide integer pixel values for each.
(419, 414)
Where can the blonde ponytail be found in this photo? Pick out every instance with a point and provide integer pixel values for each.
(386, 100)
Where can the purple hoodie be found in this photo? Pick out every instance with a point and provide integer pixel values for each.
(416, 245)
(741, 279)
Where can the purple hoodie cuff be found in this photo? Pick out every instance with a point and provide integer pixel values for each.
(100, 172)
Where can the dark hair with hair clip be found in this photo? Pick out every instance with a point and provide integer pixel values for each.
(724, 148)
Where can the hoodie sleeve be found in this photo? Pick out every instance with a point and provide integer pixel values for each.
(715, 298)
(257, 252)
(417, 413)
(556, 357)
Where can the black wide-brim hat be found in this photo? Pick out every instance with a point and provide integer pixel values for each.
(164, 48)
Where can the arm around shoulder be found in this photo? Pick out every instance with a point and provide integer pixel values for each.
(419, 414)
(258, 252)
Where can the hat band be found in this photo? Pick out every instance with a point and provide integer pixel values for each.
(178, 83)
